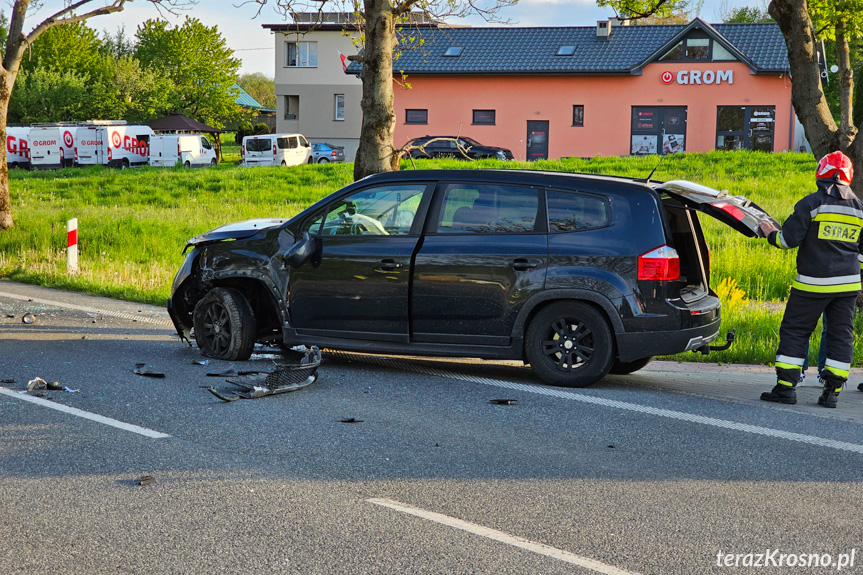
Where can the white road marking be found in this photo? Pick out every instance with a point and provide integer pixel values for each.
(515, 541)
(671, 414)
(84, 308)
(85, 414)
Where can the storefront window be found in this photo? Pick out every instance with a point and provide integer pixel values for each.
(745, 128)
(658, 130)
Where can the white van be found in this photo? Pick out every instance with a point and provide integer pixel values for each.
(276, 150)
(18, 147)
(188, 150)
(52, 146)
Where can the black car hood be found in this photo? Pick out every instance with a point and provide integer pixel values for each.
(235, 231)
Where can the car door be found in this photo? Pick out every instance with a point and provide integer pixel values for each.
(483, 255)
(737, 212)
(357, 284)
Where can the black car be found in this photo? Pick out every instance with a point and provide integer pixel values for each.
(575, 274)
(452, 147)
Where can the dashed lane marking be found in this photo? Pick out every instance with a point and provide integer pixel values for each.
(515, 541)
(85, 414)
(627, 406)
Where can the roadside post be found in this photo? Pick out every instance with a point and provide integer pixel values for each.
(72, 245)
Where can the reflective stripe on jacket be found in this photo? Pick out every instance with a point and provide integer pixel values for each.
(826, 227)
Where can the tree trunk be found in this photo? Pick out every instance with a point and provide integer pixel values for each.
(806, 94)
(846, 86)
(6, 82)
(375, 153)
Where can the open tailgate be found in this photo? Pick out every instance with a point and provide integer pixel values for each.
(736, 211)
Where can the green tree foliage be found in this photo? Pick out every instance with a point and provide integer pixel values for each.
(73, 47)
(637, 9)
(200, 67)
(746, 15)
(260, 87)
(46, 95)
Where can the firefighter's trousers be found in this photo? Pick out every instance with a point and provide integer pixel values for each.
(801, 316)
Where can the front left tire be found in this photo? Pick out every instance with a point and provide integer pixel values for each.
(225, 325)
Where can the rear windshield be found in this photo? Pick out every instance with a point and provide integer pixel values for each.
(257, 145)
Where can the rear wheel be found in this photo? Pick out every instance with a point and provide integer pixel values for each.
(627, 367)
(124, 164)
(323, 161)
(569, 344)
(187, 164)
(225, 325)
(284, 164)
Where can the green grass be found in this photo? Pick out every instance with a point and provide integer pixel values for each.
(133, 224)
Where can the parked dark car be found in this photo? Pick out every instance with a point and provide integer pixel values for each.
(324, 153)
(575, 274)
(451, 147)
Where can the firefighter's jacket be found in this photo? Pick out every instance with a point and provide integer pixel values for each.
(826, 227)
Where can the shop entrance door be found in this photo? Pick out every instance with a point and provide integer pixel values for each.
(745, 128)
(537, 139)
(658, 130)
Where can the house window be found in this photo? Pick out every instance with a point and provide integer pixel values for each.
(578, 115)
(701, 49)
(453, 51)
(416, 116)
(301, 54)
(339, 107)
(483, 117)
(566, 51)
(292, 107)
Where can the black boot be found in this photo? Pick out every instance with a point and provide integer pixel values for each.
(830, 396)
(860, 387)
(781, 394)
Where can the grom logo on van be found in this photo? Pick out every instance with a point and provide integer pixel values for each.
(690, 77)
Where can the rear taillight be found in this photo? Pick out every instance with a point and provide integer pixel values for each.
(110, 155)
(274, 151)
(732, 211)
(661, 264)
(243, 151)
(76, 153)
(334, 154)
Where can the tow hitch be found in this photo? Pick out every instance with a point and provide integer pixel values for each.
(705, 349)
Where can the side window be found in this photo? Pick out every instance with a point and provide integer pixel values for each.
(304, 142)
(293, 143)
(488, 209)
(572, 212)
(384, 211)
(206, 143)
(313, 224)
(282, 143)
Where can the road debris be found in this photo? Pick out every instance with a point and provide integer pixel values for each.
(201, 362)
(38, 385)
(147, 480)
(28, 318)
(351, 420)
(503, 401)
(141, 369)
(8, 380)
(285, 378)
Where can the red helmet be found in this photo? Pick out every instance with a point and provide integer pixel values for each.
(835, 166)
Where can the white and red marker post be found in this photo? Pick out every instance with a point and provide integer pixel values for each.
(72, 245)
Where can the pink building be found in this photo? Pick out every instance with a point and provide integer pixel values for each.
(611, 90)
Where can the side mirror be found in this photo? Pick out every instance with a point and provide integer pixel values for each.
(301, 252)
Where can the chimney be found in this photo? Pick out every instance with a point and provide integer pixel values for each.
(615, 21)
(603, 29)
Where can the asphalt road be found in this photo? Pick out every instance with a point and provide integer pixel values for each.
(678, 469)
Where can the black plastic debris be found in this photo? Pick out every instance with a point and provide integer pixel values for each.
(141, 369)
(351, 420)
(8, 380)
(232, 373)
(28, 318)
(10, 315)
(147, 480)
(503, 401)
(286, 377)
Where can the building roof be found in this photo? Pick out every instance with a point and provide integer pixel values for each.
(245, 100)
(496, 51)
(180, 123)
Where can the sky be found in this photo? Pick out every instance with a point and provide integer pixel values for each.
(255, 46)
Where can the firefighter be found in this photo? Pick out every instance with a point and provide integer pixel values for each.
(826, 227)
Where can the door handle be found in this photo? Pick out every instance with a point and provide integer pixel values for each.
(522, 264)
(389, 265)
